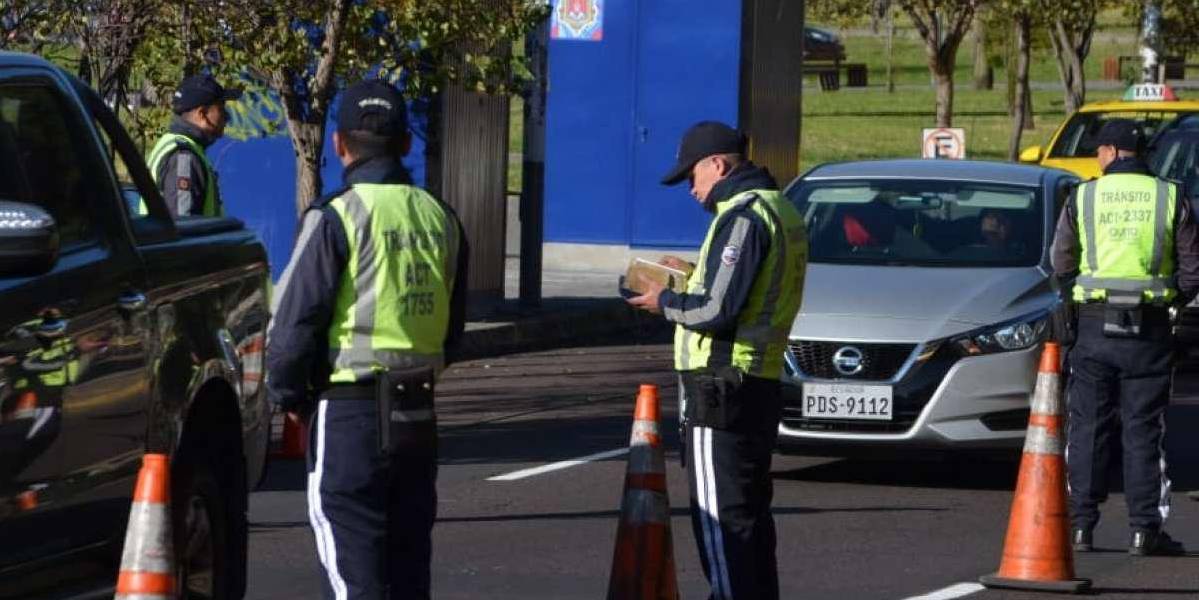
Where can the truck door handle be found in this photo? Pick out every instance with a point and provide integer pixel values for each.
(131, 301)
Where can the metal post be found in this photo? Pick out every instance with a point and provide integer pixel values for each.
(532, 195)
(1151, 43)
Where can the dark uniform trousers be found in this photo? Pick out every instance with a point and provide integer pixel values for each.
(732, 426)
(1119, 384)
(372, 513)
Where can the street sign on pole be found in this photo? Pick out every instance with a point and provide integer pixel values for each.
(944, 142)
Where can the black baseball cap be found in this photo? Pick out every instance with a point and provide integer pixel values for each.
(1124, 134)
(701, 141)
(373, 106)
(200, 90)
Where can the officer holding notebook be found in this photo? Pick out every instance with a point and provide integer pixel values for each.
(732, 326)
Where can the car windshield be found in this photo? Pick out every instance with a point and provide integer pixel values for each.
(1078, 136)
(921, 223)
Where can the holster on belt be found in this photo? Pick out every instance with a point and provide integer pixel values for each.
(1122, 315)
(407, 422)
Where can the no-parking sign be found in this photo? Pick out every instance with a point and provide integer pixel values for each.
(944, 142)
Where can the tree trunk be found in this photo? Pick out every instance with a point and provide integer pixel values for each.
(890, 49)
(943, 75)
(1020, 110)
(307, 126)
(308, 141)
(983, 79)
(1071, 49)
(1028, 109)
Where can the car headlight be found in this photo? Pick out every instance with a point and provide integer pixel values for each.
(1005, 338)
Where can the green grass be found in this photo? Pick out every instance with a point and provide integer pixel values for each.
(911, 62)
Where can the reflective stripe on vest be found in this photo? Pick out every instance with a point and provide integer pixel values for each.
(168, 143)
(764, 322)
(1126, 229)
(392, 309)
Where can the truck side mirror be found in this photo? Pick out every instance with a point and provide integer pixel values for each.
(28, 239)
(1031, 154)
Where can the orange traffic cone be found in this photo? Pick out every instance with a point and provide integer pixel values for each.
(643, 566)
(24, 408)
(295, 438)
(148, 563)
(1036, 553)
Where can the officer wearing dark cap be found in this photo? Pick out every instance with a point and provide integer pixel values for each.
(1126, 249)
(178, 162)
(369, 308)
(731, 331)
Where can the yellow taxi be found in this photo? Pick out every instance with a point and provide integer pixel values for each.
(1072, 147)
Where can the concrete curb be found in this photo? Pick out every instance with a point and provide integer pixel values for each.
(558, 322)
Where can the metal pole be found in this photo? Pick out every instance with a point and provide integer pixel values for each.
(532, 195)
(1151, 42)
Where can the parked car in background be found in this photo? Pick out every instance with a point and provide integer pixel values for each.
(822, 45)
(121, 334)
(926, 299)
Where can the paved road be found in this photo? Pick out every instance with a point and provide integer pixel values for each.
(847, 528)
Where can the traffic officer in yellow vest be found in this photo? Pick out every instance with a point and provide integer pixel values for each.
(368, 309)
(732, 327)
(1129, 243)
(178, 162)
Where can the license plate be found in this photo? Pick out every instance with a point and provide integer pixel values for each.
(847, 401)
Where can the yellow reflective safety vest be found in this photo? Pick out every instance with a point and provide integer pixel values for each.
(1126, 234)
(764, 323)
(167, 144)
(393, 303)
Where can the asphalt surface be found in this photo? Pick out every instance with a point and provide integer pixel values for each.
(886, 528)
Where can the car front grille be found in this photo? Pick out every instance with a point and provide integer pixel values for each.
(880, 362)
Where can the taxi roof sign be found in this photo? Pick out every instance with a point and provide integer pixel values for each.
(1150, 92)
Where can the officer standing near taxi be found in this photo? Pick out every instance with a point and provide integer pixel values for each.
(732, 327)
(368, 309)
(1129, 242)
(178, 161)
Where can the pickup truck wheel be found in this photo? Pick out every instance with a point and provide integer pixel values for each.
(208, 537)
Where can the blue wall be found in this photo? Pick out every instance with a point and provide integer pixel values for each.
(257, 170)
(617, 109)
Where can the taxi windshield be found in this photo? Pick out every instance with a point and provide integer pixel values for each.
(921, 223)
(1078, 135)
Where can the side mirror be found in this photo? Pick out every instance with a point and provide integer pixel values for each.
(1031, 154)
(28, 239)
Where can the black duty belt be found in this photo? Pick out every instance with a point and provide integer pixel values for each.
(361, 390)
(1098, 308)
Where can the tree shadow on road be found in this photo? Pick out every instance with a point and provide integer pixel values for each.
(950, 474)
(679, 511)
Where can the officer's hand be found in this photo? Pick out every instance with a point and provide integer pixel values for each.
(649, 300)
(675, 262)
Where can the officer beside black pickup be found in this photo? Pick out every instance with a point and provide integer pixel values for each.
(368, 308)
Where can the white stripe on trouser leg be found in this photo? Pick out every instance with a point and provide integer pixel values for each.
(313, 498)
(1163, 501)
(722, 572)
(699, 467)
(320, 524)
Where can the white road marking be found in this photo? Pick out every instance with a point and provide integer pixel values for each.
(565, 464)
(956, 590)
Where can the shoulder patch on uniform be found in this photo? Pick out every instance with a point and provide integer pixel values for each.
(730, 255)
(183, 183)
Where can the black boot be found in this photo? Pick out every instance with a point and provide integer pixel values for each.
(1146, 542)
(1081, 539)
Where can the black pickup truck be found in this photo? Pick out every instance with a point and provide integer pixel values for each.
(121, 333)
